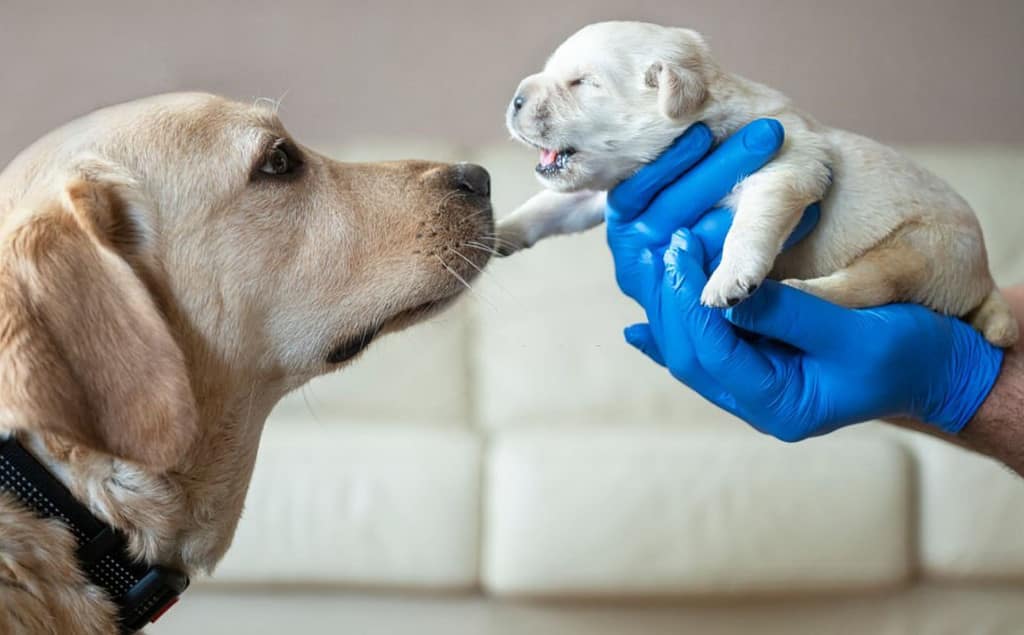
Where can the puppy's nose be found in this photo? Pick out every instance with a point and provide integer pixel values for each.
(472, 178)
(518, 103)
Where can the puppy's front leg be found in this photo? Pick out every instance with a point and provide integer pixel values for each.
(549, 214)
(768, 205)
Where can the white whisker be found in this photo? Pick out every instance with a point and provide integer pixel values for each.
(501, 241)
(468, 261)
(454, 273)
(309, 407)
(482, 271)
(473, 292)
(481, 247)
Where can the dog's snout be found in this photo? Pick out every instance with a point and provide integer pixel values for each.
(472, 178)
(518, 103)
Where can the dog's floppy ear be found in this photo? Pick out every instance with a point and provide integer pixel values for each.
(682, 79)
(85, 353)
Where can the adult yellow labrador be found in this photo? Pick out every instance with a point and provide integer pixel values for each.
(171, 268)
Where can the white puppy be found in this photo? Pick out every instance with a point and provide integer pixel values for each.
(616, 94)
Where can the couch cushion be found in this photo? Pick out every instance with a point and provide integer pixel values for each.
(919, 610)
(362, 505)
(555, 353)
(971, 514)
(665, 511)
(418, 375)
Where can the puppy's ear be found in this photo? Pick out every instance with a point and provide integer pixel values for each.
(682, 80)
(85, 353)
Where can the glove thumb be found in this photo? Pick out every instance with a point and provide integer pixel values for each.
(792, 316)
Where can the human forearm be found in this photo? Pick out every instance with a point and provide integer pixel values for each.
(997, 429)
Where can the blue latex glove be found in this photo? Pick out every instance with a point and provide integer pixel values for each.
(816, 366)
(645, 210)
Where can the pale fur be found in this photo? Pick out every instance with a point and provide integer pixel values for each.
(889, 231)
(156, 301)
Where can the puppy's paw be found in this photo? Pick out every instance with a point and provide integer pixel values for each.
(728, 286)
(510, 238)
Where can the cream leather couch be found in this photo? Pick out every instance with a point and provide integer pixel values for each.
(514, 467)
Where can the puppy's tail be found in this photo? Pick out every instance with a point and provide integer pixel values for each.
(995, 320)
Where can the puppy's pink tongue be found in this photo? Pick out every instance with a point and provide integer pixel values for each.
(547, 157)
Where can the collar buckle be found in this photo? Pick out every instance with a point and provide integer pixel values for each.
(141, 592)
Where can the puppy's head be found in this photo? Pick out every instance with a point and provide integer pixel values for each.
(610, 99)
(161, 258)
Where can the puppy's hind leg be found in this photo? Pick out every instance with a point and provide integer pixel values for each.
(886, 274)
(548, 214)
(994, 319)
(898, 273)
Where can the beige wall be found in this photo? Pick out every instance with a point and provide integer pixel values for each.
(901, 70)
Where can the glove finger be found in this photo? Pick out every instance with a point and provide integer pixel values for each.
(638, 273)
(682, 203)
(688, 242)
(807, 223)
(794, 317)
(651, 339)
(713, 264)
(633, 195)
(683, 326)
(713, 227)
(732, 364)
(640, 337)
(711, 230)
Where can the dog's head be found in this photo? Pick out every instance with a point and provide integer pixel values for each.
(610, 99)
(159, 255)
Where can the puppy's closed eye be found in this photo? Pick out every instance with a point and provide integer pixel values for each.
(583, 80)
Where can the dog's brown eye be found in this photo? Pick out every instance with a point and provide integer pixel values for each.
(277, 163)
(583, 80)
(281, 160)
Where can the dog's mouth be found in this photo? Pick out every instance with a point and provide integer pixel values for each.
(553, 162)
(351, 348)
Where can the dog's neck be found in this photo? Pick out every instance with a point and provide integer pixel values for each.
(186, 517)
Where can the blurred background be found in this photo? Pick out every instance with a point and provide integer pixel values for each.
(512, 466)
(907, 71)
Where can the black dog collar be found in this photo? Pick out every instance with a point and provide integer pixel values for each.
(141, 592)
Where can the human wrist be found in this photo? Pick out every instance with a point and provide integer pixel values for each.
(972, 370)
(997, 428)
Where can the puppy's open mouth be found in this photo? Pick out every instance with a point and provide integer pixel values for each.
(554, 161)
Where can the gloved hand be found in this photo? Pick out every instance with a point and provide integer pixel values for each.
(797, 366)
(677, 190)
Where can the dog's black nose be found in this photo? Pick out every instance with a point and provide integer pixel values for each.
(473, 178)
(517, 103)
